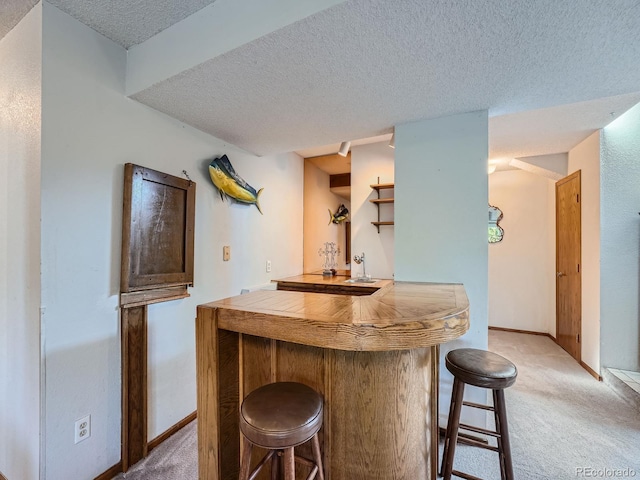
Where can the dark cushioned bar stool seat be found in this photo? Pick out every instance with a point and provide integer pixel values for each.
(483, 369)
(278, 417)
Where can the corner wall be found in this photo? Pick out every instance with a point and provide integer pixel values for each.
(89, 130)
(620, 242)
(20, 129)
(441, 194)
(318, 200)
(586, 157)
(522, 265)
(368, 162)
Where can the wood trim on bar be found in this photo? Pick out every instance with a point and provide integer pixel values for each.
(134, 385)
(111, 472)
(171, 430)
(2, 477)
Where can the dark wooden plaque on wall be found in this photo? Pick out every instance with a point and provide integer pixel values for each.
(157, 230)
(156, 266)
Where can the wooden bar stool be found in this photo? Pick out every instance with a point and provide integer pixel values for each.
(486, 370)
(278, 417)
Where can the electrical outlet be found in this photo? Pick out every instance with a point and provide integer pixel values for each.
(268, 266)
(226, 253)
(83, 429)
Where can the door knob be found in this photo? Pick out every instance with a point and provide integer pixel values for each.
(560, 274)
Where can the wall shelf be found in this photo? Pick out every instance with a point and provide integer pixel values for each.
(381, 201)
(382, 186)
(381, 223)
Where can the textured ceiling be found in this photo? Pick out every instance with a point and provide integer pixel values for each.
(554, 129)
(548, 72)
(129, 22)
(532, 132)
(11, 12)
(358, 68)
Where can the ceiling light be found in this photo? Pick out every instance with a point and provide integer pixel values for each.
(392, 142)
(344, 149)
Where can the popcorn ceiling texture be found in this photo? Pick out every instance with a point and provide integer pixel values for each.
(545, 70)
(12, 12)
(358, 68)
(129, 22)
(554, 129)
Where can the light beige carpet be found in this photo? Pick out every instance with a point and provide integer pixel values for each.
(563, 424)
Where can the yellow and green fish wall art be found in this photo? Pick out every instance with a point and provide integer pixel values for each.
(340, 216)
(230, 184)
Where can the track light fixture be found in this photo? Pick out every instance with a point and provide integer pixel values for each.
(344, 149)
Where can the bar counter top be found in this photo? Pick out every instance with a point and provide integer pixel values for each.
(397, 316)
(372, 356)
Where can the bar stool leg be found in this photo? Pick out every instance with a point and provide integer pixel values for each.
(317, 456)
(275, 466)
(499, 438)
(289, 464)
(501, 413)
(447, 435)
(452, 428)
(245, 462)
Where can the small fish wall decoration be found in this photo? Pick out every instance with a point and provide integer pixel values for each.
(340, 216)
(229, 183)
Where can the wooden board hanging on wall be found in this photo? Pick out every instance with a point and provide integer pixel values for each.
(157, 230)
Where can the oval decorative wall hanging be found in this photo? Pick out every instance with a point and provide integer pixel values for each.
(496, 233)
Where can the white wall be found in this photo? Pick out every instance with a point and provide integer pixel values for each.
(90, 129)
(318, 200)
(20, 95)
(586, 157)
(368, 162)
(522, 265)
(441, 199)
(620, 242)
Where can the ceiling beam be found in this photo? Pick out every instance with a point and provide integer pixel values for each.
(216, 29)
(535, 169)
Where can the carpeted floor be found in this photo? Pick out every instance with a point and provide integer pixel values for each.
(561, 419)
(174, 459)
(563, 424)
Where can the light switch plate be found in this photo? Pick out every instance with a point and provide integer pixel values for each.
(226, 253)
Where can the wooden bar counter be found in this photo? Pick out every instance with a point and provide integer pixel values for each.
(374, 358)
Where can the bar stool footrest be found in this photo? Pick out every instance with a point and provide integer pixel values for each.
(475, 443)
(464, 475)
(479, 405)
(301, 460)
(472, 428)
(308, 463)
(262, 463)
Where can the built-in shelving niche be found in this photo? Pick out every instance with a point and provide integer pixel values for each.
(378, 202)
